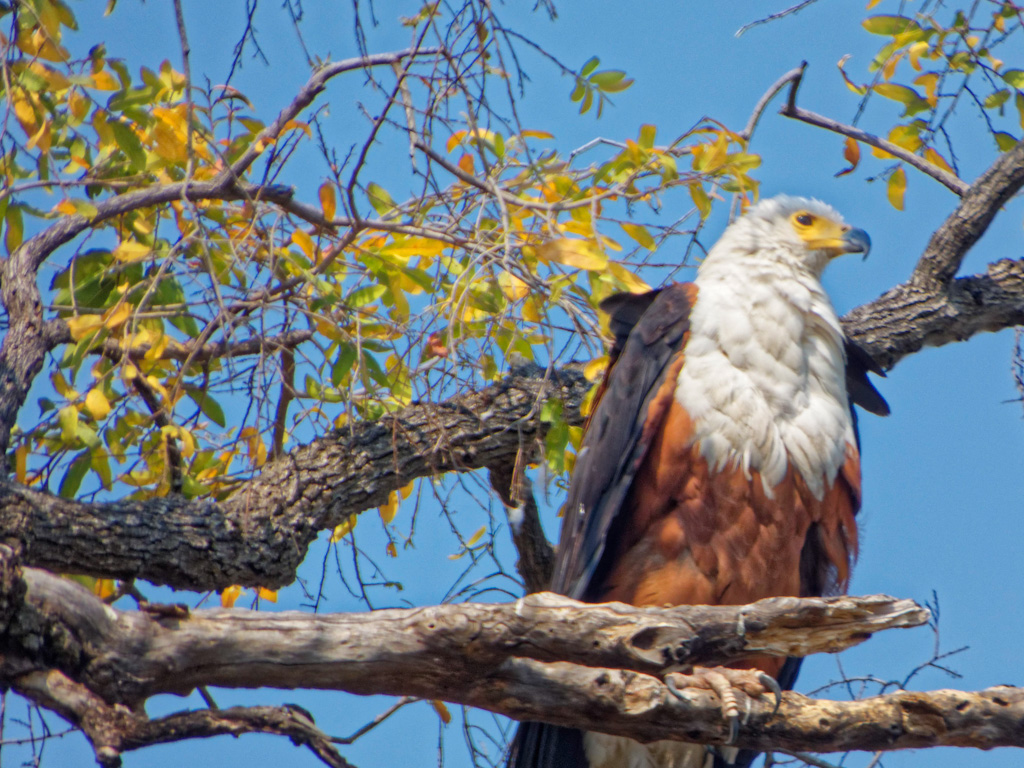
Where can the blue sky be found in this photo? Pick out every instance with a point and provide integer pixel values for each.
(942, 475)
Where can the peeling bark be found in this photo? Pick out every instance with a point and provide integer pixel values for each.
(544, 657)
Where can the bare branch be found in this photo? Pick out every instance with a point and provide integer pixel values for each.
(543, 657)
(798, 113)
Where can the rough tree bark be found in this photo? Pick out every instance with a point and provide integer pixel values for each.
(544, 656)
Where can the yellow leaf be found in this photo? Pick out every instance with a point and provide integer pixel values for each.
(67, 417)
(158, 385)
(538, 134)
(21, 463)
(581, 254)
(267, 594)
(104, 81)
(930, 81)
(328, 202)
(454, 140)
(442, 711)
(343, 530)
(103, 588)
(917, 50)
(391, 550)
(83, 325)
(229, 595)
(97, 404)
(116, 316)
(935, 158)
(640, 234)
(531, 313)
(632, 283)
(415, 246)
(513, 287)
(700, 199)
(860, 90)
(390, 509)
(897, 187)
(305, 243)
(873, 3)
(595, 368)
(130, 251)
(476, 536)
(297, 125)
(406, 490)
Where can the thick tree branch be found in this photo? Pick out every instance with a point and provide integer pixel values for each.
(965, 226)
(260, 535)
(911, 316)
(544, 657)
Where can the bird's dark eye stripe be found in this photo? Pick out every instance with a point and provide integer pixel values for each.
(804, 219)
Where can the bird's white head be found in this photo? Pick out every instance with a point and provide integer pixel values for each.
(797, 231)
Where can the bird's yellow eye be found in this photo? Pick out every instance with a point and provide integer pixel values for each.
(804, 219)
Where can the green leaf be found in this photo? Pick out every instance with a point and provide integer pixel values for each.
(905, 95)
(15, 228)
(363, 296)
(72, 479)
(206, 404)
(129, 144)
(647, 134)
(890, 25)
(997, 99)
(551, 411)
(379, 198)
(589, 66)
(579, 91)
(343, 363)
(1005, 141)
(608, 77)
(87, 435)
(1014, 78)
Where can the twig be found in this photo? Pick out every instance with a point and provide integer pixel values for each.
(945, 178)
(775, 16)
(762, 103)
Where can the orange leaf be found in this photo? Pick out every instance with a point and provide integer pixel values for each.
(442, 711)
(851, 152)
(229, 595)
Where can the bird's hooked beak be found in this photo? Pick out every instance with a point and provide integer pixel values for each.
(836, 239)
(856, 241)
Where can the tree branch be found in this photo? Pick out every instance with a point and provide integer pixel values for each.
(260, 534)
(942, 176)
(543, 657)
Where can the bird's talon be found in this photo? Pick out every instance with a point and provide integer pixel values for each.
(772, 685)
(734, 730)
(671, 685)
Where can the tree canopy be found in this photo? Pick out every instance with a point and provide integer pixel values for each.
(260, 299)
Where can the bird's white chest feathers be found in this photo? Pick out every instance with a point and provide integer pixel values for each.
(764, 378)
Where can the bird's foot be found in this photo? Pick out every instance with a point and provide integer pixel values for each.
(726, 683)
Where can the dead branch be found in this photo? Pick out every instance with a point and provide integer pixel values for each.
(543, 657)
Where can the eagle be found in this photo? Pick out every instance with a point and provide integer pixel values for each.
(721, 462)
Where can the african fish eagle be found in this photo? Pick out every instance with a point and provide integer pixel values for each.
(720, 464)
